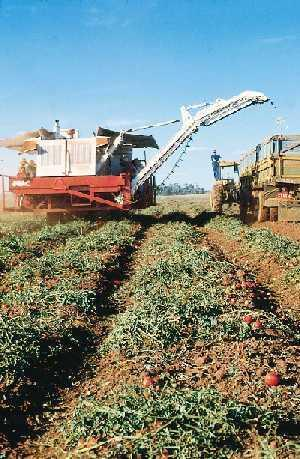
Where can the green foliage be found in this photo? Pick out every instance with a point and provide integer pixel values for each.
(261, 239)
(177, 295)
(280, 246)
(176, 189)
(21, 340)
(38, 292)
(54, 263)
(188, 423)
(19, 344)
(293, 276)
(17, 223)
(33, 244)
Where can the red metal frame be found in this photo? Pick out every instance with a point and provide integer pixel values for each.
(57, 193)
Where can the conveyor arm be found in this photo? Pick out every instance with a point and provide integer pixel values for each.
(206, 116)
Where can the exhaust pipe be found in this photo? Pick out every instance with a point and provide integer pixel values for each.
(57, 129)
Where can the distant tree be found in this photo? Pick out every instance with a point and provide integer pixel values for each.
(175, 188)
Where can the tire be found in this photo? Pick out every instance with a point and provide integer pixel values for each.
(244, 199)
(216, 198)
(243, 212)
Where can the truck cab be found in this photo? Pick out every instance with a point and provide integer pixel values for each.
(225, 189)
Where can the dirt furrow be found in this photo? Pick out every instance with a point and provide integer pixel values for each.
(267, 270)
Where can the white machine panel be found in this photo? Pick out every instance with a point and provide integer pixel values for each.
(62, 157)
(81, 156)
(51, 158)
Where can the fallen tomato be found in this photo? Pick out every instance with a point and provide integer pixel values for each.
(250, 284)
(248, 319)
(272, 379)
(148, 381)
(257, 325)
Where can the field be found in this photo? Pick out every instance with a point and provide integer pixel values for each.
(169, 333)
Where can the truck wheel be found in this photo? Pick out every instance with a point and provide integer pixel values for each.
(216, 198)
(273, 214)
(243, 212)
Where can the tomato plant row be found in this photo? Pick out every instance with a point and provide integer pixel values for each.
(262, 239)
(181, 423)
(181, 291)
(20, 223)
(15, 247)
(45, 306)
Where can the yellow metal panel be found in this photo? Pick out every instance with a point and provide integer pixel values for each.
(29, 145)
(102, 141)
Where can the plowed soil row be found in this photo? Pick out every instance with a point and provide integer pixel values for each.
(267, 270)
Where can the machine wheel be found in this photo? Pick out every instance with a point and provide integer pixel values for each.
(216, 198)
(244, 199)
(243, 211)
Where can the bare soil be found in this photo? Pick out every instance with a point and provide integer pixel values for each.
(267, 270)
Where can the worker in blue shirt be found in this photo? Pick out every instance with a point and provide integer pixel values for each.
(215, 160)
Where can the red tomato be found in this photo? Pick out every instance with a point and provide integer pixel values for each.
(257, 325)
(272, 379)
(148, 381)
(250, 284)
(248, 319)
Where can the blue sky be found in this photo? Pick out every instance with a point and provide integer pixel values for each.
(122, 63)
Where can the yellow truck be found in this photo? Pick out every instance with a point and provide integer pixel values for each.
(269, 181)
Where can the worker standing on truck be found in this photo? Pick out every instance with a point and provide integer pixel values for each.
(215, 160)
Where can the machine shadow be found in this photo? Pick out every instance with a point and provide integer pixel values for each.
(199, 219)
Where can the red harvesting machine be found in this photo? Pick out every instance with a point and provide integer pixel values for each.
(71, 175)
(75, 175)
